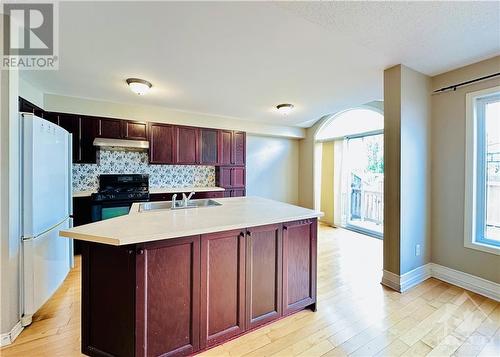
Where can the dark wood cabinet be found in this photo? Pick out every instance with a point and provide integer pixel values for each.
(108, 300)
(178, 296)
(222, 286)
(230, 177)
(299, 265)
(209, 146)
(263, 274)
(169, 144)
(161, 144)
(52, 117)
(232, 147)
(134, 130)
(239, 148)
(71, 123)
(168, 297)
(226, 147)
(238, 177)
(88, 132)
(186, 141)
(110, 128)
(237, 192)
(82, 210)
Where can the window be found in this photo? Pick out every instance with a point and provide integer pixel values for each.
(482, 191)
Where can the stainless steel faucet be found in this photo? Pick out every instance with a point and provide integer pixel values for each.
(174, 202)
(185, 200)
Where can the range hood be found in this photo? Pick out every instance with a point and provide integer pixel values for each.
(122, 143)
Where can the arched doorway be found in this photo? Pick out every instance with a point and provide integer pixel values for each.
(350, 170)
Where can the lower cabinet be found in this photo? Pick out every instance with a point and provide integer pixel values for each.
(222, 286)
(263, 274)
(299, 265)
(178, 296)
(168, 297)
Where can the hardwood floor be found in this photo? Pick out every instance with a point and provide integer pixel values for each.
(356, 315)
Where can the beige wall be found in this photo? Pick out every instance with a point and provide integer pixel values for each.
(448, 173)
(162, 114)
(392, 168)
(327, 172)
(272, 168)
(407, 183)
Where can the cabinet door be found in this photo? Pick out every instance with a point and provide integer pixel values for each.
(226, 147)
(209, 146)
(239, 147)
(110, 128)
(52, 117)
(223, 176)
(167, 297)
(89, 129)
(134, 130)
(238, 177)
(187, 141)
(299, 265)
(263, 274)
(238, 192)
(222, 286)
(71, 123)
(161, 144)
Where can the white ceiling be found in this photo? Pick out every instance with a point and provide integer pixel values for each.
(240, 59)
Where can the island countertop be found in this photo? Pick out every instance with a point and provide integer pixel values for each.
(234, 213)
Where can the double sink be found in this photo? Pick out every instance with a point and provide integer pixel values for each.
(155, 206)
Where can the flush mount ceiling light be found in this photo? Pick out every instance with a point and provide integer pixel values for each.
(284, 109)
(139, 86)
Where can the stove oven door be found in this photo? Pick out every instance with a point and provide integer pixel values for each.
(108, 209)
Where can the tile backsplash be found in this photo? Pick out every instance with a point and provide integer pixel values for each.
(85, 176)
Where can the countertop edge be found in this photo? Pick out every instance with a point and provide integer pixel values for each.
(187, 233)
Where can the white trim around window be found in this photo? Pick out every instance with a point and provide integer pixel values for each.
(473, 143)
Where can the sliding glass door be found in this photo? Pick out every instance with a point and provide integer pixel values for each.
(364, 184)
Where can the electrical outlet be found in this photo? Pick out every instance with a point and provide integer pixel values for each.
(417, 250)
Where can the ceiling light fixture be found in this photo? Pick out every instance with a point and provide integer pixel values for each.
(139, 86)
(284, 109)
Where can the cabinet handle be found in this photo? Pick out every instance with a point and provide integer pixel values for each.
(285, 228)
(249, 234)
(140, 251)
(130, 251)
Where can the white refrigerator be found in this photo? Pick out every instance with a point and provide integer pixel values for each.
(46, 183)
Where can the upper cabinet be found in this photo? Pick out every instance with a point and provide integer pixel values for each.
(88, 132)
(122, 129)
(226, 147)
(187, 142)
(71, 123)
(110, 128)
(134, 130)
(239, 139)
(161, 144)
(209, 146)
(169, 144)
(232, 148)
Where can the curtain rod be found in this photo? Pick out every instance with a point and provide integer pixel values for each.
(455, 86)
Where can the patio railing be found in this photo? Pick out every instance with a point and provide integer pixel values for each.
(367, 206)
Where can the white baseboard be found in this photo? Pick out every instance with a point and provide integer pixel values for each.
(9, 337)
(467, 281)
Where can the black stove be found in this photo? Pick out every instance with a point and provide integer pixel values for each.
(116, 194)
(118, 187)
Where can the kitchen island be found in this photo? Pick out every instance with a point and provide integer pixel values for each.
(176, 282)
